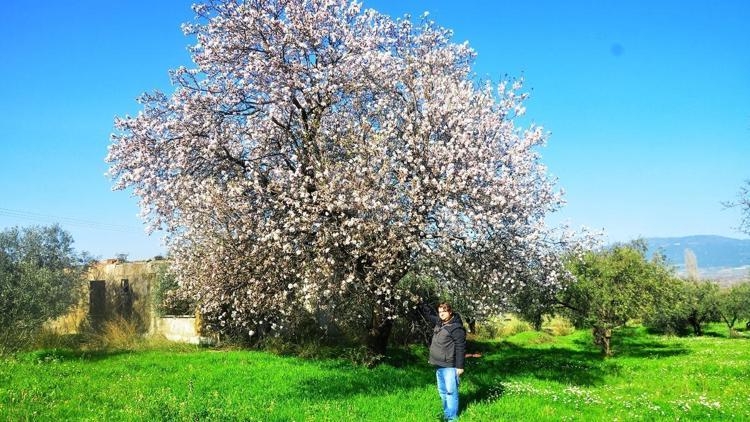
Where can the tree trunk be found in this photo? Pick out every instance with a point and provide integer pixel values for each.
(472, 325)
(379, 333)
(538, 323)
(730, 324)
(602, 338)
(697, 329)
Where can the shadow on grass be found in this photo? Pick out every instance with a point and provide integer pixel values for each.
(506, 360)
(63, 355)
(482, 380)
(635, 342)
(349, 381)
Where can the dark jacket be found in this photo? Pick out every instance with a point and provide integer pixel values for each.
(448, 346)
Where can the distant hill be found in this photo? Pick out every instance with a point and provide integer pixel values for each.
(718, 257)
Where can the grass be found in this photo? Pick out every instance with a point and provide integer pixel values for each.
(529, 376)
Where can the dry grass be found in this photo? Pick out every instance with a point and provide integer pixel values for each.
(118, 334)
(557, 326)
(502, 326)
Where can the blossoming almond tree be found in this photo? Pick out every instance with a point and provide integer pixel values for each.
(317, 153)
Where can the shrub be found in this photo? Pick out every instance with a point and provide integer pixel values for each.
(362, 356)
(47, 338)
(557, 326)
(501, 326)
(514, 326)
(489, 329)
(117, 334)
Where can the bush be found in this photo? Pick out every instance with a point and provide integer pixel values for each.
(49, 339)
(362, 356)
(40, 279)
(557, 326)
(515, 326)
(501, 326)
(117, 334)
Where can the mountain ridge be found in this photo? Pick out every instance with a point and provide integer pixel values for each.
(719, 257)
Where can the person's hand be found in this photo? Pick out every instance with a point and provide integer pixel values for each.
(459, 371)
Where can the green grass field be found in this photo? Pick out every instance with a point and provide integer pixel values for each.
(530, 376)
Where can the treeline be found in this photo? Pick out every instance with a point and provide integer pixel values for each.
(40, 274)
(619, 284)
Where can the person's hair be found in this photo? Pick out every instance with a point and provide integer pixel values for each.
(445, 306)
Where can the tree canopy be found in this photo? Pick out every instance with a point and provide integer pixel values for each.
(40, 275)
(613, 286)
(317, 153)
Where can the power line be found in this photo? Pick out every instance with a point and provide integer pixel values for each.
(69, 221)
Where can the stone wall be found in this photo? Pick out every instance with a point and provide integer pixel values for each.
(178, 328)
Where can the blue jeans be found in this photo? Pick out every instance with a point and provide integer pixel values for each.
(447, 384)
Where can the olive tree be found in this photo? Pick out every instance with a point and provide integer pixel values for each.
(40, 279)
(685, 305)
(613, 286)
(734, 304)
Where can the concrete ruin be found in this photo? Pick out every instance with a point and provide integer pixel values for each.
(115, 289)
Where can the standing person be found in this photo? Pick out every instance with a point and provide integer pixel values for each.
(447, 352)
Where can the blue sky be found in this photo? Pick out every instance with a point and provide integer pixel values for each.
(648, 104)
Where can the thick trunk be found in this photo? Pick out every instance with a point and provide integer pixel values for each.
(730, 324)
(697, 329)
(472, 325)
(696, 324)
(379, 333)
(538, 323)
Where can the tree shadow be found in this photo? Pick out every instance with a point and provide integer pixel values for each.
(349, 380)
(406, 370)
(713, 334)
(57, 355)
(631, 342)
(506, 360)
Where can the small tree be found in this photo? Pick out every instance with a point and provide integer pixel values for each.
(733, 304)
(613, 286)
(40, 276)
(166, 295)
(685, 305)
(691, 265)
(701, 304)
